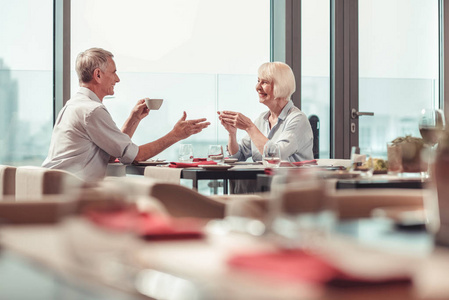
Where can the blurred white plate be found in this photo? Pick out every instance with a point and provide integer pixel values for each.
(151, 162)
(215, 167)
(230, 160)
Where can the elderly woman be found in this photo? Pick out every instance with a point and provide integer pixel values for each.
(283, 123)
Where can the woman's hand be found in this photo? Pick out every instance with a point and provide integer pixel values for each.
(140, 111)
(231, 129)
(236, 120)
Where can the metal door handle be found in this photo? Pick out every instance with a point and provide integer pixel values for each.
(355, 113)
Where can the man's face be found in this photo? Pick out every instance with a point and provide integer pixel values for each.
(109, 77)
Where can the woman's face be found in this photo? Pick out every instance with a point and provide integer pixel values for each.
(264, 88)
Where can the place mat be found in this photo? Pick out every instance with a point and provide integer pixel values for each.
(297, 265)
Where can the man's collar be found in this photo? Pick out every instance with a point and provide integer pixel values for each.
(87, 92)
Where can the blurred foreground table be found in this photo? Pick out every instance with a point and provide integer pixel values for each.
(198, 269)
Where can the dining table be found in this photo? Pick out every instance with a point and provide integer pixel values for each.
(247, 171)
(264, 176)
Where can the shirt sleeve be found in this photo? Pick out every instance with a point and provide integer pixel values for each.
(103, 131)
(296, 135)
(244, 149)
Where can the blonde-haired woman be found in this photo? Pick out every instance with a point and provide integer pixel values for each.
(283, 124)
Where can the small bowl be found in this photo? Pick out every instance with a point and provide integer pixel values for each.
(153, 104)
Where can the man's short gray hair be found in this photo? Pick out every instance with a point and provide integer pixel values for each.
(281, 76)
(89, 60)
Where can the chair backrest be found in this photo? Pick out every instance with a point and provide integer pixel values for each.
(7, 181)
(177, 200)
(32, 183)
(181, 201)
(315, 123)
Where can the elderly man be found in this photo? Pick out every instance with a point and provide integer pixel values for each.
(85, 137)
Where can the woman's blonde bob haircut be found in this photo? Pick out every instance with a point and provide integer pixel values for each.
(281, 76)
(89, 60)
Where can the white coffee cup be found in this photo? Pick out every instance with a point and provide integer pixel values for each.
(153, 104)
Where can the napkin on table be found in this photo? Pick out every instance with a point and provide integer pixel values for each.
(298, 265)
(147, 225)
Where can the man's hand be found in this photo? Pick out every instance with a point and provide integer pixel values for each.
(236, 119)
(185, 128)
(140, 111)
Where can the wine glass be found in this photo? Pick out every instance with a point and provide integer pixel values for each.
(185, 153)
(431, 125)
(216, 154)
(271, 155)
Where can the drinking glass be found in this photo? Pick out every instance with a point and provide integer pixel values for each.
(431, 126)
(185, 153)
(394, 154)
(216, 154)
(271, 155)
(301, 213)
(362, 161)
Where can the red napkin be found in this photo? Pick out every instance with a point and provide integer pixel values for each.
(269, 171)
(305, 162)
(199, 159)
(149, 226)
(297, 265)
(189, 165)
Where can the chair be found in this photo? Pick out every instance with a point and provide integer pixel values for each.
(181, 201)
(33, 183)
(177, 200)
(315, 124)
(7, 182)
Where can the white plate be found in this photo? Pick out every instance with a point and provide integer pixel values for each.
(151, 163)
(230, 160)
(248, 163)
(215, 167)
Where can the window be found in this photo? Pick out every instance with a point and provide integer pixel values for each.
(315, 63)
(398, 67)
(26, 81)
(199, 56)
